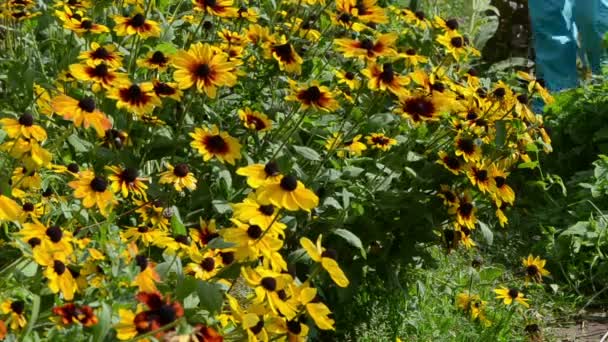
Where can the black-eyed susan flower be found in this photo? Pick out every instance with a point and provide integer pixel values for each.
(180, 176)
(456, 45)
(314, 95)
(136, 98)
(268, 286)
(535, 268)
(204, 233)
(211, 143)
(463, 235)
(288, 193)
(450, 162)
(349, 78)
(152, 213)
(285, 54)
(509, 295)
(352, 147)
(412, 58)
(446, 24)
(465, 211)
(415, 18)
(16, 311)
(23, 127)
(220, 8)
(102, 54)
(478, 175)
(93, 190)
(71, 313)
(380, 141)
(82, 112)
(155, 60)
(317, 310)
(52, 241)
(474, 306)
(421, 107)
(449, 197)
(137, 24)
(167, 89)
(60, 278)
(251, 241)
(205, 67)
(81, 25)
(127, 180)
(366, 48)
(101, 75)
(205, 265)
(327, 259)
(252, 212)
(259, 174)
(383, 77)
(23, 178)
(467, 148)
(160, 313)
(254, 119)
(30, 211)
(500, 190)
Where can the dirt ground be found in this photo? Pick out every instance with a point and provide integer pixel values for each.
(589, 328)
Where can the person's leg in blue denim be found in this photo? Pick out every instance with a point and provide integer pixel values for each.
(554, 42)
(591, 28)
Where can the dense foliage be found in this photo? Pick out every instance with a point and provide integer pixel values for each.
(214, 170)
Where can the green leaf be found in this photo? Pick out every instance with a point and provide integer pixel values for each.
(79, 144)
(185, 287)
(501, 133)
(351, 238)
(528, 165)
(101, 329)
(178, 226)
(489, 274)
(486, 232)
(210, 295)
(307, 153)
(34, 315)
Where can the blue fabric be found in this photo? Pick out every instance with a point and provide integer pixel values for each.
(555, 25)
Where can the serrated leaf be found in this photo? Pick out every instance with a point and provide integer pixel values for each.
(307, 153)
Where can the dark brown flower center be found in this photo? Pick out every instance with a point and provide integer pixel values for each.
(86, 24)
(101, 70)
(254, 231)
(410, 52)
(33, 242)
(513, 293)
(382, 141)
(129, 175)
(312, 94)
(420, 15)
(438, 86)
(99, 184)
(73, 168)
(465, 209)
(267, 210)
(387, 75)
(500, 92)
(330, 253)
(451, 162)
(216, 144)
(26, 120)
(419, 107)
(452, 24)
(59, 267)
(366, 44)
(284, 52)
(28, 207)
(500, 181)
(466, 145)
(457, 42)
(481, 175)
(202, 71)
(181, 170)
(289, 183)
(532, 270)
(54, 233)
(18, 307)
(87, 104)
(142, 262)
(269, 283)
(158, 58)
(271, 169)
(349, 75)
(100, 53)
(256, 329)
(294, 327)
(208, 264)
(227, 257)
(256, 122)
(138, 20)
(523, 98)
(161, 88)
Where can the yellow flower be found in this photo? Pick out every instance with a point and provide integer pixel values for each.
(180, 176)
(136, 98)
(313, 95)
(23, 127)
(349, 78)
(318, 311)
(125, 180)
(287, 57)
(9, 209)
(155, 60)
(93, 190)
(102, 54)
(252, 212)
(259, 174)
(138, 24)
(510, 295)
(147, 277)
(288, 193)
(205, 265)
(535, 268)
(385, 78)
(212, 143)
(326, 258)
(220, 8)
(366, 48)
(205, 67)
(267, 286)
(126, 329)
(82, 113)
(16, 309)
(254, 120)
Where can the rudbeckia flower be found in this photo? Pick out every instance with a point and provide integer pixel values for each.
(211, 143)
(167, 89)
(205, 265)
(155, 60)
(380, 141)
(326, 257)
(416, 19)
(508, 295)
(16, 310)
(318, 311)
(82, 25)
(446, 25)
(285, 54)
(313, 95)
(450, 162)
(254, 120)
(465, 211)
(204, 233)
(101, 54)
(467, 148)
(23, 127)
(270, 286)
(349, 78)
(288, 193)
(478, 175)
(147, 277)
(421, 107)
(500, 190)
(259, 174)
(71, 313)
(180, 176)
(136, 98)
(93, 190)
(366, 48)
(205, 67)
(125, 180)
(456, 45)
(252, 212)
(535, 268)
(102, 75)
(385, 78)
(220, 8)
(352, 147)
(412, 58)
(251, 241)
(59, 276)
(138, 24)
